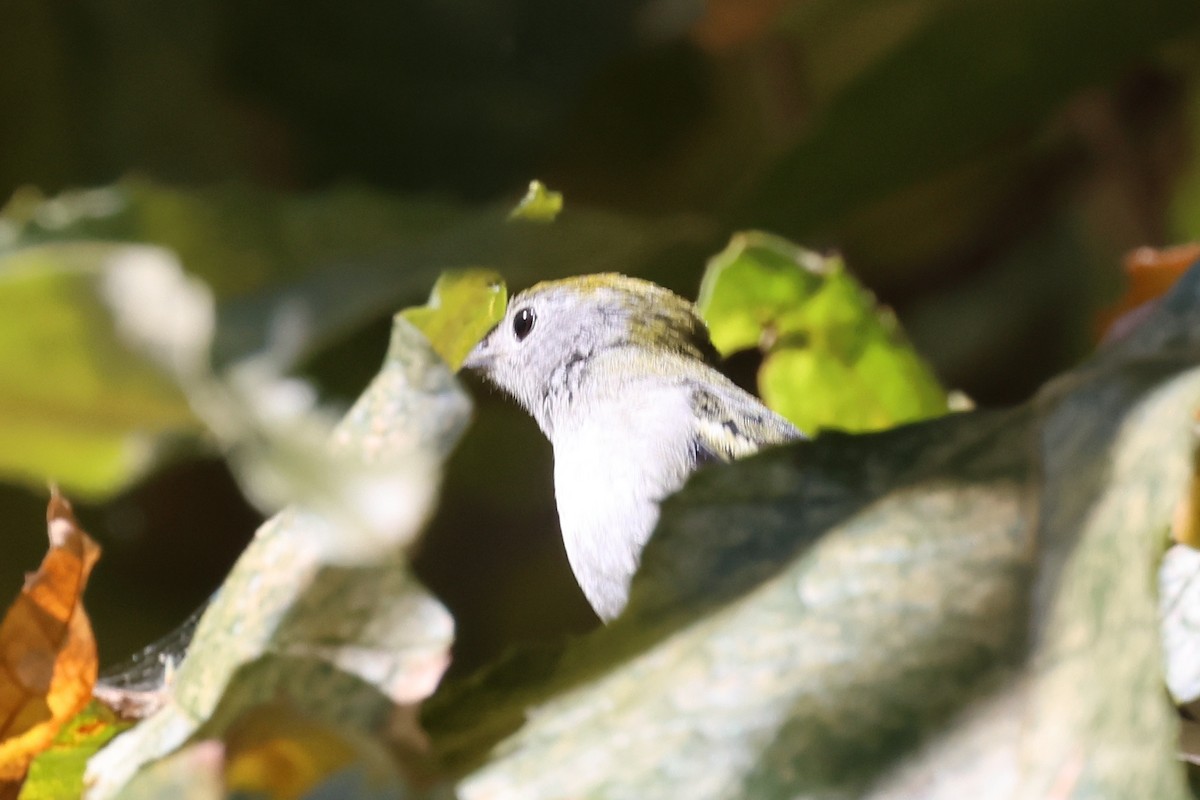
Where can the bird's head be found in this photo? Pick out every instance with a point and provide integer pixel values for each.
(551, 333)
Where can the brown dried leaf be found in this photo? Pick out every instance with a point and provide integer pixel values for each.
(47, 650)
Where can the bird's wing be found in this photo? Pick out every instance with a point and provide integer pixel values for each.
(731, 424)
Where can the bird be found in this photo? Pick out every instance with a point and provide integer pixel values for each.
(621, 376)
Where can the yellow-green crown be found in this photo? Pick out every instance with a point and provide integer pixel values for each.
(657, 317)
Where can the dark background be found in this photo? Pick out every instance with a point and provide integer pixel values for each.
(983, 166)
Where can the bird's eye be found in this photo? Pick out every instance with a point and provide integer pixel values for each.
(523, 322)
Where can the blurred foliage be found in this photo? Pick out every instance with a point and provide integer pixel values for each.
(79, 408)
(538, 205)
(297, 272)
(981, 167)
(58, 771)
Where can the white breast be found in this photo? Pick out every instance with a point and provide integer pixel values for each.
(612, 467)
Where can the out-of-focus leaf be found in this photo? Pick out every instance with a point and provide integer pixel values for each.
(274, 751)
(47, 651)
(968, 79)
(318, 265)
(57, 772)
(538, 205)
(462, 307)
(832, 358)
(957, 608)
(194, 772)
(323, 605)
(77, 404)
(111, 351)
(288, 274)
(1184, 210)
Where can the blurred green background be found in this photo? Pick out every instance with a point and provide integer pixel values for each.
(982, 166)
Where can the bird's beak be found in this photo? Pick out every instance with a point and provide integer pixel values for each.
(480, 357)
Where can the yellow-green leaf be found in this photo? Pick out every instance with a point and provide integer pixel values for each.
(58, 771)
(78, 404)
(538, 205)
(463, 306)
(832, 358)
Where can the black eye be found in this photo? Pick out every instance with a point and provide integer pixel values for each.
(523, 322)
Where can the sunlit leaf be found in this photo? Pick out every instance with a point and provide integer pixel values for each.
(47, 651)
(793, 624)
(462, 307)
(57, 772)
(831, 357)
(538, 205)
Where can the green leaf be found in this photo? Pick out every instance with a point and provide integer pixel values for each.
(832, 358)
(58, 771)
(462, 307)
(961, 607)
(79, 404)
(538, 205)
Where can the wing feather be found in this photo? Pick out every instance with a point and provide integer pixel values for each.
(732, 424)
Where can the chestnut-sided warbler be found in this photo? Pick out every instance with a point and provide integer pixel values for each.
(618, 373)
